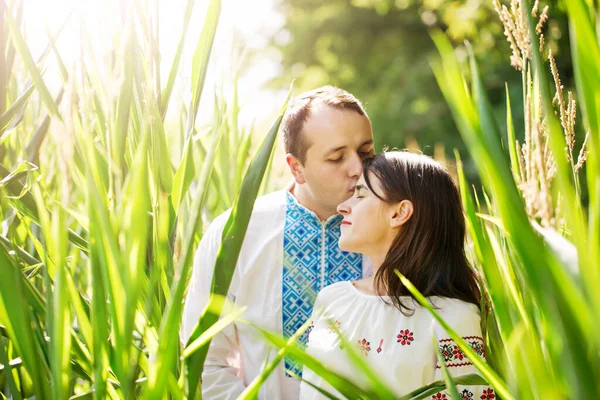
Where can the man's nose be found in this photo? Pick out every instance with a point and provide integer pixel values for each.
(356, 166)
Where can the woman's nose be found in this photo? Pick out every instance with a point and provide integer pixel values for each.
(343, 208)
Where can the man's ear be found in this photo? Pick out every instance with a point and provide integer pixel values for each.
(401, 213)
(296, 168)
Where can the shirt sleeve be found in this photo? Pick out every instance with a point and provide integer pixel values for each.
(464, 320)
(221, 375)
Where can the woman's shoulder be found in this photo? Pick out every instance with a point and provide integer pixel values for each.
(334, 290)
(462, 316)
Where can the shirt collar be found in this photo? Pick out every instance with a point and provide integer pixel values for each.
(310, 215)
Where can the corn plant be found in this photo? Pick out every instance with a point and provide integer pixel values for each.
(101, 212)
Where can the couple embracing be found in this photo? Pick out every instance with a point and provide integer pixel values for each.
(326, 249)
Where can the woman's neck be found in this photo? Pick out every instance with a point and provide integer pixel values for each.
(367, 285)
(377, 261)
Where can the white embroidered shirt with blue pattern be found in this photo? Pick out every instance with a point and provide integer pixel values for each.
(312, 260)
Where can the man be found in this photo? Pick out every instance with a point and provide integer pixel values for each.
(290, 250)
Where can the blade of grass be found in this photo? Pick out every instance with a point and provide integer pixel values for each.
(384, 391)
(586, 57)
(437, 386)
(16, 108)
(184, 175)
(134, 228)
(33, 147)
(165, 95)
(512, 147)
(121, 122)
(212, 331)
(317, 388)
(346, 387)
(34, 73)
(64, 74)
(251, 391)
(485, 255)
(448, 380)
(201, 58)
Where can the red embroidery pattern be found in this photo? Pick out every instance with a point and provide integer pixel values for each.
(364, 346)
(488, 394)
(439, 396)
(462, 364)
(333, 325)
(379, 348)
(405, 337)
(453, 355)
(458, 353)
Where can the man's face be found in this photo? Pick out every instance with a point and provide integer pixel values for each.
(338, 141)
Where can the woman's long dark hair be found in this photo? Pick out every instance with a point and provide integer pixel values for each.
(429, 249)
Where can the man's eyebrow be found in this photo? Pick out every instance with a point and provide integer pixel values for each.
(370, 141)
(335, 149)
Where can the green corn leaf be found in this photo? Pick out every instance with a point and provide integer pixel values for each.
(165, 95)
(33, 147)
(448, 380)
(346, 387)
(201, 57)
(17, 108)
(512, 146)
(251, 391)
(34, 73)
(435, 387)
(184, 175)
(586, 56)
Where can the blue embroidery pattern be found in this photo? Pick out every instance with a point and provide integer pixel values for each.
(306, 241)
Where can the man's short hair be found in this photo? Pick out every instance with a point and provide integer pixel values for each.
(299, 111)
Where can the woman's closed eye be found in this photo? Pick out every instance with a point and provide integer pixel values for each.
(359, 193)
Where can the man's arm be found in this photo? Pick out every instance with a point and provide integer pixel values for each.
(220, 378)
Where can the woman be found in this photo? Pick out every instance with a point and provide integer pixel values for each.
(405, 214)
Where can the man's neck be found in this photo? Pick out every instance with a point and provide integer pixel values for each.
(306, 201)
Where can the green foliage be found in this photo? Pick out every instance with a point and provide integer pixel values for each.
(380, 51)
(99, 227)
(101, 211)
(543, 305)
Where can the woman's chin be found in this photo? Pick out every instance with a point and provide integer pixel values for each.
(346, 245)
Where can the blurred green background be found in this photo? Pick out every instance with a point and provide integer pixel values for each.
(380, 50)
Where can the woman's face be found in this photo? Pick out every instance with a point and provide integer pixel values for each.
(366, 226)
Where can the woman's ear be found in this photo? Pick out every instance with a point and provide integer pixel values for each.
(296, 168)
(400, 213)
